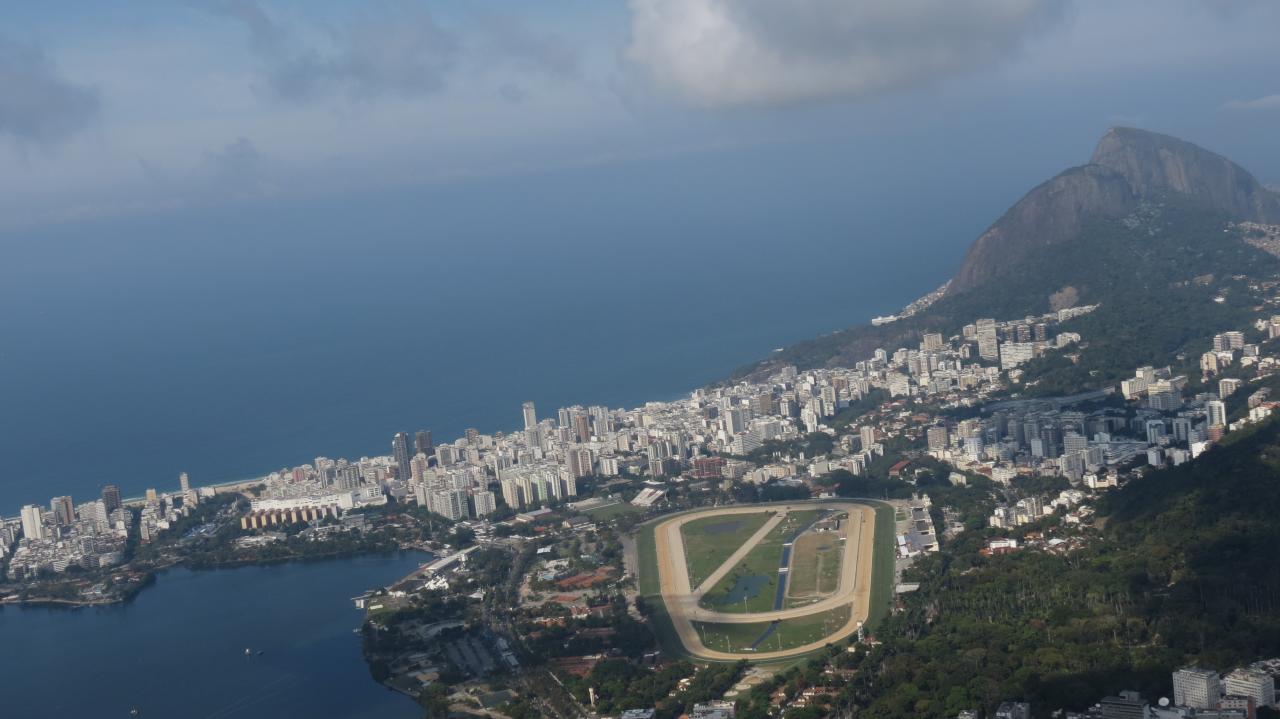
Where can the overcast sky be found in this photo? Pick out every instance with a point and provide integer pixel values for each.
(125, 108)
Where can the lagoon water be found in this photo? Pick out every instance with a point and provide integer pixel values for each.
(177, 650)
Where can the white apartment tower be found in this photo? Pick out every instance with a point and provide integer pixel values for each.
(1251, 683)
(1217, 411)
(988, 340)
(32, 526)
(868, 436)
(485, 503)
(1196, 688)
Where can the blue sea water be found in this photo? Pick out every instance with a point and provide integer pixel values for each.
(233, 341)
(177, 650)
(228, 342)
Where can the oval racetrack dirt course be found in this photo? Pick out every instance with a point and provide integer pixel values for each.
(682, 600)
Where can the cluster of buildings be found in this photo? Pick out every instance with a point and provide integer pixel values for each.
(1237, 695)
(705, 436)
(90, 535)
(1159, 426)
(310, 493)
(1197, 694)
(700, 710)
(699, 436)
(1044, 437)
(1032, 509)
(1231, 350)
(1017, 342)
(915, 533)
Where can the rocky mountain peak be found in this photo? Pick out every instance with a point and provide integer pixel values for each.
(1128, 166)
(1153, 164)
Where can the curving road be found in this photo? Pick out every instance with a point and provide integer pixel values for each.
(682, 601)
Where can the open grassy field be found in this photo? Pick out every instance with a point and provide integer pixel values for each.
(882, 566)
(788, 634)
(609, 511)
(750, 586)
(709, 542)
(815, 567)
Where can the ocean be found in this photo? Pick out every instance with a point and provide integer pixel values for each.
(233, 341)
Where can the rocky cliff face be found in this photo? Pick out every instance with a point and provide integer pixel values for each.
(1128, 166)
(1155, 163)
(1051, 213)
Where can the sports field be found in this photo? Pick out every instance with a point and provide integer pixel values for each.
(748, 599)
(609, 511)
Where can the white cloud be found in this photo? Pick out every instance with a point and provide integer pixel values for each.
(717, 53)
(1268, 102)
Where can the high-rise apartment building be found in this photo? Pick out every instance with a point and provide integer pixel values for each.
(988, 339)
(32, 523)
(483, 503)
(1252, 683)
(111, 498)
(868, 436)
(1013, 354)
(449, 503)
(579, 461)
(423, 443)
(1217, 412)
(1196, 688)
(400, 453)
(64, 512)
(582, 427)
(1228, 341)
(418, 468)
(734, 421)
(530, 415)
(568, 486)
(512, 495)
(937, 437)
